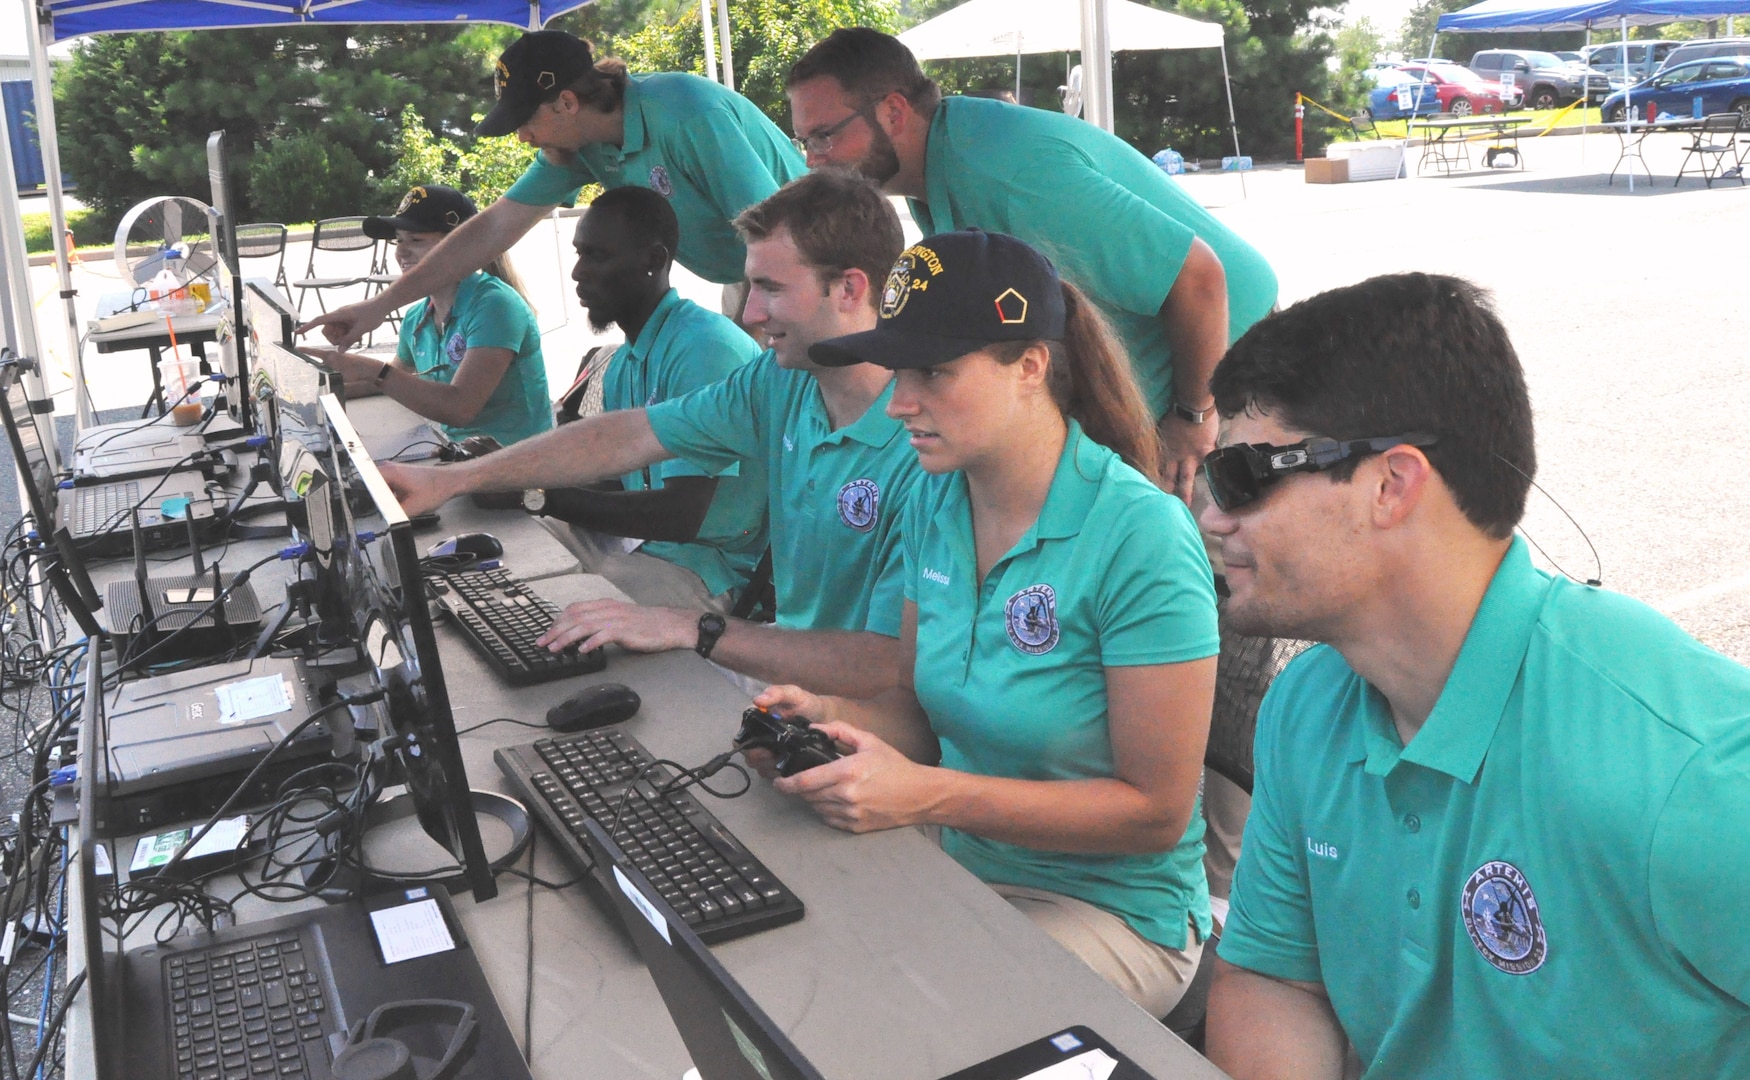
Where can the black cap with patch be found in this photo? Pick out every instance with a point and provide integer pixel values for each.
(533, 71)
(951, 294)
(429, 208)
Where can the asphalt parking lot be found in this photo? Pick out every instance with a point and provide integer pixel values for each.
(1627, 310)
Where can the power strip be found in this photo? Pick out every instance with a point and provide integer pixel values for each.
(126, 320)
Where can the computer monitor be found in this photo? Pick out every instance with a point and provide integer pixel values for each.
(92, 781)
(233, 356)
(26, 440)
(386, 598)
(728, 1036)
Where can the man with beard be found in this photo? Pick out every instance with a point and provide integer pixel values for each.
(839, 468)
(703, 147)
(703, 534)
(1176, 284)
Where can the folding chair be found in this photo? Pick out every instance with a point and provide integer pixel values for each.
(338, 235)
(1713, 142)
(265, 240)
(1362, 125)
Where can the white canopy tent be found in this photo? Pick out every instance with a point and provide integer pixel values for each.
(1095, 28)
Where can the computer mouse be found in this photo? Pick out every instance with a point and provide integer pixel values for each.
(593, 707)
(478, 546)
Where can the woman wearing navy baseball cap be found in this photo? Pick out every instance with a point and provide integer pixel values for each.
(1060, 615)
(469, 355)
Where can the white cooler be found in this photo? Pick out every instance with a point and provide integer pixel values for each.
(1371, 159)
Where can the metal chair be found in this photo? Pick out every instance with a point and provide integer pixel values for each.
(1714, 141)
(345, 234)
(1362, 125)
(265, 240)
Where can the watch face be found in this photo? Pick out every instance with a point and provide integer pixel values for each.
(535, 500)
(712, 623)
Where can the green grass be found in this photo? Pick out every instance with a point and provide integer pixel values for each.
(38, 238)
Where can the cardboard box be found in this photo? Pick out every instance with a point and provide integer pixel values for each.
(1327, 170)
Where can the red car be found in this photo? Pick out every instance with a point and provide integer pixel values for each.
(1462, 92)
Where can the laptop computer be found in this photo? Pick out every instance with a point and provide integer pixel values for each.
(280, 997)
(99, 517)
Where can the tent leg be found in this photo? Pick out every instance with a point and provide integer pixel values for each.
(51, 148)
(710, 40)
(1233, 125)
(724, 43)
(1628, 102)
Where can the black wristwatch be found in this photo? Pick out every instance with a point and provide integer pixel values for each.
(711, 627)
(535, 500)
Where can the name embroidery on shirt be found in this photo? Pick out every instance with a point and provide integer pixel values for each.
(659, 181)
(935, 575)
(1031, 615)
(1321, 849)
(788, 444)
(1501, 916)
(860, 504)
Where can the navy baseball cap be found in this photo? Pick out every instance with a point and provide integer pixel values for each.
(531, 72)
(951, 294)
(428, 208)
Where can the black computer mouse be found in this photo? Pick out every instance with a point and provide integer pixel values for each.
(478, 546)
(593, 707)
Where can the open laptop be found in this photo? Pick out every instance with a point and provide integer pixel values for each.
(99, 517)
(278, 997)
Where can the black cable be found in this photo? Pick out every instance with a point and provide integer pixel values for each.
(499, 720)
(54, 1027)
(174, 468)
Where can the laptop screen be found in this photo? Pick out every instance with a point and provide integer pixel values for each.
(27, 447)
(728, 1036)
(92, 774)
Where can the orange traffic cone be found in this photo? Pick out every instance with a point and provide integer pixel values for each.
(72, 248)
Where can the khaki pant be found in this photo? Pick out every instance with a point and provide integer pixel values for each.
(647, 579)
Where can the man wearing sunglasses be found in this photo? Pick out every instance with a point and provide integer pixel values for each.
(703, 147)
(1500, 824)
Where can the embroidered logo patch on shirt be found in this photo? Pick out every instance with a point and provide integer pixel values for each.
(455, 348)
(1501, 916)
(860, 504)
(659, 181)
(1031, 615)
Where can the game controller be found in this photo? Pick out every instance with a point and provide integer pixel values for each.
(795, 746)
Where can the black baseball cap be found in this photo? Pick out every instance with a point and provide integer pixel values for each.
(532, 71)
(427, 208)
(951, 294)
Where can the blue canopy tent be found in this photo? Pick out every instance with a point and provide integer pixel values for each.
(1498, 16)
(60, 20)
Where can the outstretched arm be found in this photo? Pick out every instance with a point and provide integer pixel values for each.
(1262, 1028)
(673, 511)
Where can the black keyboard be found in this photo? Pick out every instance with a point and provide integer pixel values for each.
(248, 1009)
(502, 617)
(698, 866)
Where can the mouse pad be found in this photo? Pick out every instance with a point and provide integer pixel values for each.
(1075, 1053)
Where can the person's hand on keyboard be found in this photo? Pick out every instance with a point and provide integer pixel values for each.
(591, 624)
(873, 787)
(420, 489)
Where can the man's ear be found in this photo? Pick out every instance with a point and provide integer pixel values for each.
(1402, 477)
(657, 258)
(856, 287)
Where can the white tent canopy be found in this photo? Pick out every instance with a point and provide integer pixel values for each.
(1010, 27)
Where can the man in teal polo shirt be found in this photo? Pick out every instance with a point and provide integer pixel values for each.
(838, 467)
(703, 147)
(1177, 285)
(1500, 824)
(703, 535)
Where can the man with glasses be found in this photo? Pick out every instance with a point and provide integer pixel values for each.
(1176, 284)
(1500, 824)
(705, 148)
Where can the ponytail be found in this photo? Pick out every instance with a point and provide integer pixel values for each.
(1091, 382)
(501, 269)
(602, 86)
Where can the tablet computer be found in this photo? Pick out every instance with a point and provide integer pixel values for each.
(1075, 1053)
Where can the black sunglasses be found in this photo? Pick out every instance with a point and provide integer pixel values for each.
(1240, 473)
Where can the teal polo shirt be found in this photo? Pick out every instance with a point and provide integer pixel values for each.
(1012, 671)
(487, 314)
(1551, 880)
(705, 148)
(833, 496)
(681, 348)
(1116, 225)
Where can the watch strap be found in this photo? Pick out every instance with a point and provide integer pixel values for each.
(711, 627)
(1190, 415)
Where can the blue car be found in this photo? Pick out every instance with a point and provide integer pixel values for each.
(1385, 102)
(1722, 83)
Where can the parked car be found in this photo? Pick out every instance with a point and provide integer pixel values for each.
(1570, 57)
(1705, 49)
(1461, 91)
(1548, 82)
(1385, 103)
(1723, 84)
(1644, 58)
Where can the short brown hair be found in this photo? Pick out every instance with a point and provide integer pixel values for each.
(870, 65)
(603, 85)
(837, 220)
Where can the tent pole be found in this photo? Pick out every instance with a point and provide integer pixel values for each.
(1628, 105)
(18, 319)
(724, 42)
(1233, 125)
(710, 40)
(51, 149)
(1017, 67)
(1586, 90)
(1096, 64)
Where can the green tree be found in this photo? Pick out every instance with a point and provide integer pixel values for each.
(1357, 46)
(768, 36)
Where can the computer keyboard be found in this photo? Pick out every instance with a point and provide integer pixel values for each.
(97, 509)
(248, 1009)
(706, 874)
(502, 617)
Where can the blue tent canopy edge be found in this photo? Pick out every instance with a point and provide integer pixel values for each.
(72, 18)
(1501, 15)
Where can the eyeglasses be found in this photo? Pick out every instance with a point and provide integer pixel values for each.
(821, 141)
(1240, 473)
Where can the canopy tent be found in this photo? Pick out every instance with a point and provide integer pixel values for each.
(1499, 16)
(1095, 28)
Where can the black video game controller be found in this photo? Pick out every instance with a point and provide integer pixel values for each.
(795, 746)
